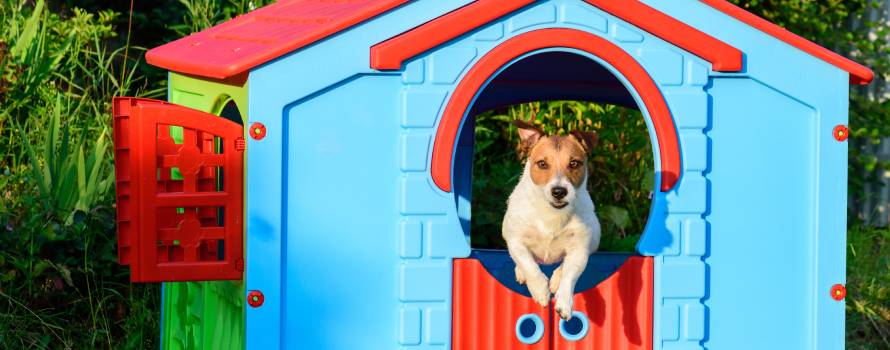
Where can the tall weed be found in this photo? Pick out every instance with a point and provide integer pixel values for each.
(60, 286)
(72, 181)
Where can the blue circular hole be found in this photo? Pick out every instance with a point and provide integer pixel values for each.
(575, 328)
(529, 328)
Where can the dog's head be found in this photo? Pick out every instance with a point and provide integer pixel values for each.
(557, 164)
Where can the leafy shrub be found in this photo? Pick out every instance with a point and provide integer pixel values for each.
(60, 285)
(60, 66)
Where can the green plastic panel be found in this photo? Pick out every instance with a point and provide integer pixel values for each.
(203, 315)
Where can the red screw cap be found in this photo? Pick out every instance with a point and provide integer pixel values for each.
(841, 133)
(255, 298)
(838, 292)
(257, 131)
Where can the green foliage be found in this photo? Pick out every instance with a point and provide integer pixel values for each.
(203, 14)
(868, 288)
(60, 284)
(621, 168)
(870, 126)
(71, 181)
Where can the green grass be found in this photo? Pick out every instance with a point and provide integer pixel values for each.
(60, 284)
(868, 288)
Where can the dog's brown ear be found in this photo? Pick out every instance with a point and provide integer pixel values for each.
(529, 135)
(587, 139)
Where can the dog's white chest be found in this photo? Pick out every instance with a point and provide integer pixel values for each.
(550, 241)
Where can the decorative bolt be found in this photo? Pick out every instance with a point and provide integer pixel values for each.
(838, 292)
(257, 131)
(841, 133)
(255, 298)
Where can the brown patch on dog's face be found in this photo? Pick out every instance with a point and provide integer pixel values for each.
(552, 156)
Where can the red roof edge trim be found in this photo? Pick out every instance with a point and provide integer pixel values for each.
(723, 58)
(262, 35)
(390, 54)
(859, 74)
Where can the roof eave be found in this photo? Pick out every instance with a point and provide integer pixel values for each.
(859, 74)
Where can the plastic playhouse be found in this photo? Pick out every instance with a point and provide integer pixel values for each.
(308, 184)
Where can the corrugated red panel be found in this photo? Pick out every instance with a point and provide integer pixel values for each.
(262, 35)
(619, 310)
(485, 312)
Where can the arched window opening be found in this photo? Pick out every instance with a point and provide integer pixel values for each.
(561, 91)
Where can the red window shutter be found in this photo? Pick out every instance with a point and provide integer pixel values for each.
(179, 204)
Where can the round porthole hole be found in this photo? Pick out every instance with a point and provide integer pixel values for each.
(529, 328)
(575, 328)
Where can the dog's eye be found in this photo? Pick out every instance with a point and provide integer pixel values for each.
(574, 164)
(542, 164)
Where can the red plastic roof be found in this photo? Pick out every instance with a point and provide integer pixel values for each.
(240, 44)
(262, 35)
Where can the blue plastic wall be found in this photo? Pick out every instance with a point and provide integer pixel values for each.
(357, 215)
(351, 243)
(778, 192)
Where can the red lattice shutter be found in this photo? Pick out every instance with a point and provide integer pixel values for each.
(179, 204)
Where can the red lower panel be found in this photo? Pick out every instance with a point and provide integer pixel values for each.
(485, 312)
(619, 311)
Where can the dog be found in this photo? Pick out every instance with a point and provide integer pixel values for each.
(550, 216)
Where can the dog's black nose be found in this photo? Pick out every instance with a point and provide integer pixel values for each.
(559, 192)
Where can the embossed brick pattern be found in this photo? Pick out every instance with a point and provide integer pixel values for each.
(680, 315)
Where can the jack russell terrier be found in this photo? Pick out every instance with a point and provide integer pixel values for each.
(550, 216)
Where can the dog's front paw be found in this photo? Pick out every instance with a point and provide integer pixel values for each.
(520, 276)
(563, 305)
(540, 291)
(555, 280)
